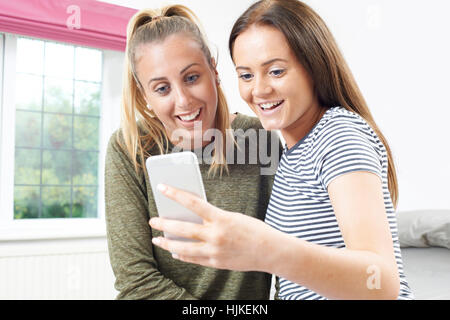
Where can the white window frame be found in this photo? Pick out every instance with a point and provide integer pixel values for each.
(29, 229)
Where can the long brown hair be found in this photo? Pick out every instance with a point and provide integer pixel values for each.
(144, 27)
(315, 48)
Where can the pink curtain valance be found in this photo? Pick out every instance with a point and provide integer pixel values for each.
(83, 22)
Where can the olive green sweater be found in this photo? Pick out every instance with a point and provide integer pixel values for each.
(144, 271)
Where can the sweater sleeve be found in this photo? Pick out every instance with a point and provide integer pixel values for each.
(129, 234)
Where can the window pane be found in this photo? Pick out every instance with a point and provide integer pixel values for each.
(57, 131)
(26, 202)
(58, 95)
(86, 133)
(87, 98)
(56, 202)
(28, 92)
(85, 168)
(59, 60)
(27, 166)
(88, 64)
(28, 129)
(58, 100)
(56, 167)
(84, 202)
(30, 56)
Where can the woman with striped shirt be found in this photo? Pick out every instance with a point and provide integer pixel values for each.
(330, 230)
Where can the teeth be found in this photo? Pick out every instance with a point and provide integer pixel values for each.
(269, 105)
(190, 117)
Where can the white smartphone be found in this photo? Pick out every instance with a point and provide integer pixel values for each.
(179, 170)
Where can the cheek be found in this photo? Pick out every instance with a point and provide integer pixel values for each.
(300, 86)
(213, 95)
(161, 107)
(245, 91)
(208, 93)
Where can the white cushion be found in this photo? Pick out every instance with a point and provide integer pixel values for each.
(424, 228)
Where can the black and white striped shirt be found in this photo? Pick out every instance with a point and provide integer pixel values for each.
(341, 142)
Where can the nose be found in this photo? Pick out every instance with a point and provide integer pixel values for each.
(261, 87)
(182, 97)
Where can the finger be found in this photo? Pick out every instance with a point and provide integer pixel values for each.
(179, 228)
(181, 248)
(190, 201)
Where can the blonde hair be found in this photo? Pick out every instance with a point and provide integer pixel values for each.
(315, 48)
(144, 27)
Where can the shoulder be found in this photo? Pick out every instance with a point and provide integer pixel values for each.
(118, 164)
(116, 142)
(341, 124)
(347, 144)
(339, 132)
(338, 119)
(116, 151)
(347, 140)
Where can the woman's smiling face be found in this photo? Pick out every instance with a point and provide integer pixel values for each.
(179, 85)
(273, 83)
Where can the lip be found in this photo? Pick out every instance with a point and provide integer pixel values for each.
(187, 113)
(189, 124)
(269, 112)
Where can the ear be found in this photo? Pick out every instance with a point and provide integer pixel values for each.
(214, 66)
(213, 63)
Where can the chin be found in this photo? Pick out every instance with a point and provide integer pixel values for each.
(269, 125)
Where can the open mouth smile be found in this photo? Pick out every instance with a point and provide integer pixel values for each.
(190, 117)
(270, 105)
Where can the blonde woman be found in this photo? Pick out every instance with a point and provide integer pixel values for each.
(172, 88)
(331, 230)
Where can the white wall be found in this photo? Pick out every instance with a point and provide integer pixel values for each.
(399, 53)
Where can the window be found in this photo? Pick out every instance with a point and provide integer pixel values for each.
(54, 132)
(57, 116)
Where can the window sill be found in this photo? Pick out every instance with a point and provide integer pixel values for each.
(30, 229)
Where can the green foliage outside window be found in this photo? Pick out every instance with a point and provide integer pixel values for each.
(57, 142)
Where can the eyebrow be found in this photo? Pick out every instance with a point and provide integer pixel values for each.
(264, 63)
(181, 72)
(185, 68)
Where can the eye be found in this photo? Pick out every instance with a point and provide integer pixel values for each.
(192, 78)
(277, 72)
(246, 76)
(162, 90)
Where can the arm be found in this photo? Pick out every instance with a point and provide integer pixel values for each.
(366, 268)
(128, 233)
(233, 241)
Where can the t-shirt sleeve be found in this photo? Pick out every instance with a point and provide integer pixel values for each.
(348, 148)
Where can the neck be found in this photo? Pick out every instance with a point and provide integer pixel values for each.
(300, 128)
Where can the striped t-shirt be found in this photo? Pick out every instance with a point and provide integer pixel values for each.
(341, 142)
